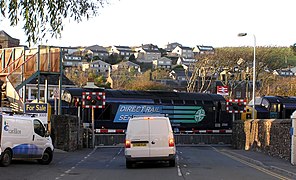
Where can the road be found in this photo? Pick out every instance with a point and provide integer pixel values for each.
(200, 162)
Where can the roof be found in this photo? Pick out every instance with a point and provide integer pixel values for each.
(205, 48)
(180, 72)
(97, 48)
(185, 47)
(53, 80)
(99, 62)
(164, 59)
(3, 33)
(150, 48)
(129, 63)
(187, 61)
(123, 48)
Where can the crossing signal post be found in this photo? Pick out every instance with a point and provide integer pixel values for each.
(93, 100)
(236, 106)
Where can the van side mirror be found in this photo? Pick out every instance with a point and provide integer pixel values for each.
(47, 134)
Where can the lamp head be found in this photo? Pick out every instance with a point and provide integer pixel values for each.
(241, 34)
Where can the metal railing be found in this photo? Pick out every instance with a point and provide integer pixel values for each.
(180, 139)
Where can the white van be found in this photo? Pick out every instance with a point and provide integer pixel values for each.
(24, 138)
(149, 139)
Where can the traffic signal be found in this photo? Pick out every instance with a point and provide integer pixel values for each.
(236, 105)
(76, 101)
(93, 99)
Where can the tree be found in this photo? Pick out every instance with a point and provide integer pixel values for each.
(202, 75)
(143, 82)
(101, 81)
(267, 58)
(160, 74)
(293, 47)
(77, 76)
(132, 58)
(46, 16)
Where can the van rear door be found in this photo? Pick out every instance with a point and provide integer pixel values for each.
(159, 137)
(138, 132)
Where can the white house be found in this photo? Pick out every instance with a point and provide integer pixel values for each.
(183, 51)
(187, 64)
(283, 72)
(200, 50)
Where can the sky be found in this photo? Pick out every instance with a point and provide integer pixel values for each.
(189, 22)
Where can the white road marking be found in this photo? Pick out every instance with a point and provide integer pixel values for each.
(262, 169)
(108, 164)
(178, 166)
(73, 167)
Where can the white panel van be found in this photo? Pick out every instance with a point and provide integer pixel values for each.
(24, 137)
(149, 139)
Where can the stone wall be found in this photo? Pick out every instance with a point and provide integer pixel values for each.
(268, 136)
(64, 132)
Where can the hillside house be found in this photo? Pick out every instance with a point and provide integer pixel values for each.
(183, 51)
(147, 53)
(162, 63)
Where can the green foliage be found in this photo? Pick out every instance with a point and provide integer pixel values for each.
(270, 58)
(160, 74)
(178, 67)
(113, 59)
(143, 82)
(77, 76)
(96, 58)
(293, 48)
(101, 81)
(132, 58)
(46, 16)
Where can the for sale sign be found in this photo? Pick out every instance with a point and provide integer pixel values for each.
(40, 110)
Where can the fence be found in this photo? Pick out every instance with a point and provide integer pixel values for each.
(180, 139)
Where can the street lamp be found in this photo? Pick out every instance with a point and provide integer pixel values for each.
(254, 72)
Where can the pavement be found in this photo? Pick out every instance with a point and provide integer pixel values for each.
(275, 164)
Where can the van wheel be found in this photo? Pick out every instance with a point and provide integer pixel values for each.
(46, 157)
(128, 164)
(6, 158)
(172, 163)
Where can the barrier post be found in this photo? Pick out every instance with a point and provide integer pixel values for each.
(93, 126)
(293, 138)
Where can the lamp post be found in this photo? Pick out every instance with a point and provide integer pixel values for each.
(254, 72)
